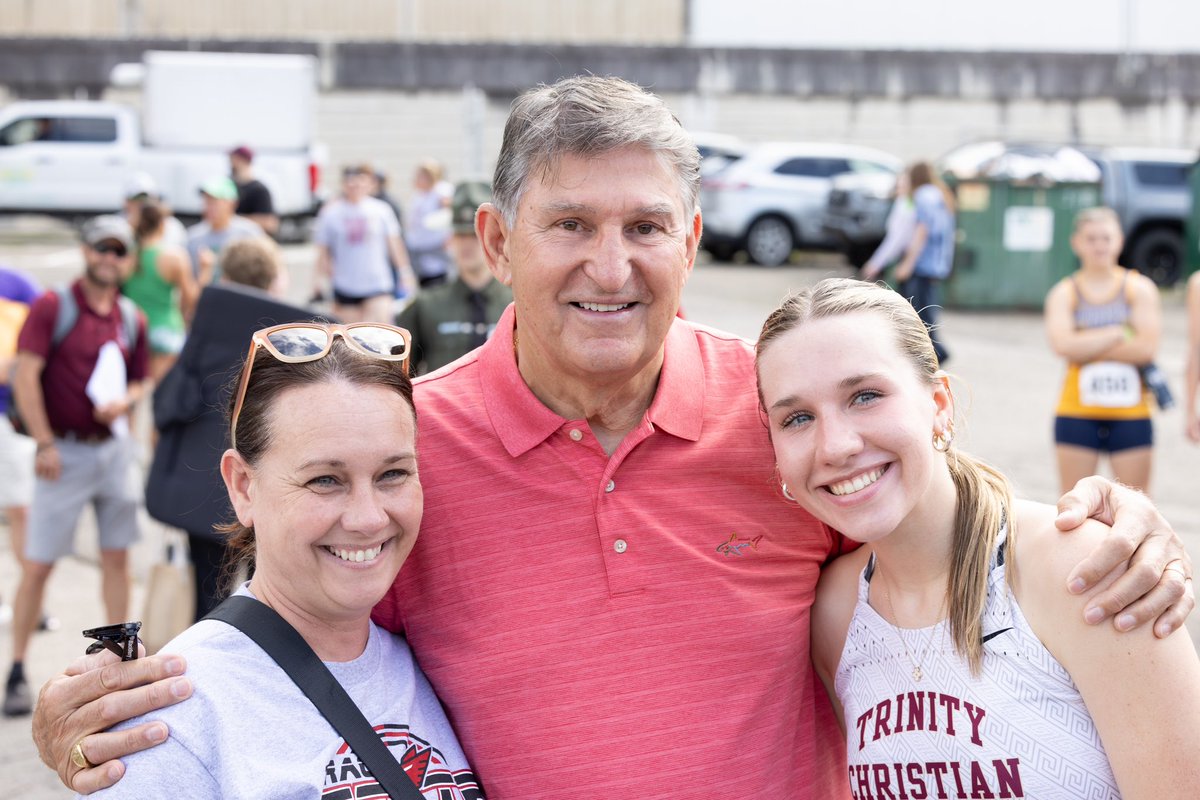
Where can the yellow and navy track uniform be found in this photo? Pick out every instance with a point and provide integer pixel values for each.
(1103, 405)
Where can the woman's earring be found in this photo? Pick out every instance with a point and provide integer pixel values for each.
(942, 440)
(786, 493)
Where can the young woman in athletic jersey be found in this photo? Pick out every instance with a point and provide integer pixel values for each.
(957, 661)
(1105, 320)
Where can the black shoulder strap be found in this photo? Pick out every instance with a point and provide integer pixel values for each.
(283, 643)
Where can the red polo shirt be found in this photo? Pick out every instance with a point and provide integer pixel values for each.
(625, 626)
(69, 365)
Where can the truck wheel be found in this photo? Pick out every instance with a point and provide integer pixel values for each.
(1158, 254)
(770, 241)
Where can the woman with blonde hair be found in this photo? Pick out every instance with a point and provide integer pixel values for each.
(955, 659)
(929, 257)
(1105, 320)
(427, 228)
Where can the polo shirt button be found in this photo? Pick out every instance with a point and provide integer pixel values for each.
(611, 485)
(620, 546)
(575, 434)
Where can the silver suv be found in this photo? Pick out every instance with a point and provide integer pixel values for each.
(773, 199)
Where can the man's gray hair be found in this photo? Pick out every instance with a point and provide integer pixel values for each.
(589, 116)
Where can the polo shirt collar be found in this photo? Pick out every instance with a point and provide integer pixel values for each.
(522, 422)
(678, 406)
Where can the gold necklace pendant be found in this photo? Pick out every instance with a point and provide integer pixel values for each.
(922, 653)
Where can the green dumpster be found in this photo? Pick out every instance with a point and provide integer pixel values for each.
(1013, 240)
(1191, 230)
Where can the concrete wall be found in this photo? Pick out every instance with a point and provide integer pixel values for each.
(395, 103)
(63, 64)
(574, 21)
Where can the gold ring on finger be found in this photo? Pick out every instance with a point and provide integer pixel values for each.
(78, 758)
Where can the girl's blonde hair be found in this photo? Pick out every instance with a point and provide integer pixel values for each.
(984, 495)
(1095, 214)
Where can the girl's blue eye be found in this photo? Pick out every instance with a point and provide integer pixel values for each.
(796, 418)
(323, 481)
(867, 396)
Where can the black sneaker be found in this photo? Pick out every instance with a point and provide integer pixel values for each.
(17, 700)
(48, 623)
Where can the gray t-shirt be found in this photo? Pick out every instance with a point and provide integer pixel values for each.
(201, 236)
(357, 237)
(248, 731)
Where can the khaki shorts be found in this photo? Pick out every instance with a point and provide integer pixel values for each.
(100, 474)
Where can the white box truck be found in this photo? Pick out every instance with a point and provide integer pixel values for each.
(73, 158)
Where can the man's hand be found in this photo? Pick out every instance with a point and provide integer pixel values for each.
(109, 413)
(48, 463)
(204, 269)
(1158, 584)
(95, 693)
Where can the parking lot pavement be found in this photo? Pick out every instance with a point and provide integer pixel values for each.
(73, 598)
(1005, 375)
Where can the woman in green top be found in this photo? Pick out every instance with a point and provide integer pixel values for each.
(163, 287)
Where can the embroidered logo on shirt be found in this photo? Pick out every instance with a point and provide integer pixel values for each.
(737, 546)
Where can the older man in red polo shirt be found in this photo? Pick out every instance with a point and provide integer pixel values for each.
(609, 594)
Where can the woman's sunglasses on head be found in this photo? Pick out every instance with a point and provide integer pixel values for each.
(299, 342)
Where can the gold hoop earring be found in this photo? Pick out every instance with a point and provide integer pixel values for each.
(786, 493)
(942, 440)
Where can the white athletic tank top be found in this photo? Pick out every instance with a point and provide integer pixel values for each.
(1020, 730)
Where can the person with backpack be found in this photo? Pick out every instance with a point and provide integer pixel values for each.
(82, 361)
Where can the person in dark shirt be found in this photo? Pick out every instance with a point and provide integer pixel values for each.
(450, 320)
(254, 198)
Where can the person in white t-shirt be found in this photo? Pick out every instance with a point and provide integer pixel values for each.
(355, 236)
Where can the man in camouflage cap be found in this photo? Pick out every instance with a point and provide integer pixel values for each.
(449, 321)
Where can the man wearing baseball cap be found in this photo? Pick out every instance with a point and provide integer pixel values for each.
(220, 226)
(449, 321)
(83, 451)
(254, 198)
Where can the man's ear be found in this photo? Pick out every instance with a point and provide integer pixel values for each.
(492, 231)
(239, 482)
(693, 240)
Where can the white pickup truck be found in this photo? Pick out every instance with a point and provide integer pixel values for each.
(74, 158)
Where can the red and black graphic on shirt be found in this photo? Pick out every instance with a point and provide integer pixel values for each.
(347, 778)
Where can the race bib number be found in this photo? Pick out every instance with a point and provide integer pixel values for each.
(1109, 384)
